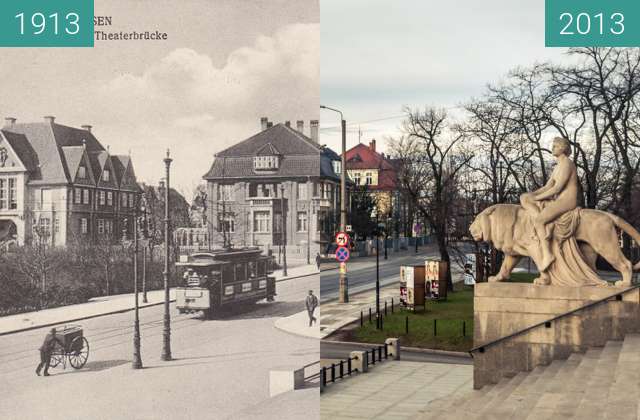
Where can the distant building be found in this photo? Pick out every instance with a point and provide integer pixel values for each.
(58, 183)
(251, 182)
(367, 167)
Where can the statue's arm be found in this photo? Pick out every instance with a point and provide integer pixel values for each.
(561, 176)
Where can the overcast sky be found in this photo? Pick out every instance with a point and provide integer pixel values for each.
(377, 56)
(226, 64)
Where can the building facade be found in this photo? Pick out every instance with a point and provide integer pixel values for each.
(58, 184)
(275, 182)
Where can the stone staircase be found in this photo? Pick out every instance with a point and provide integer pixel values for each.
(603, 383)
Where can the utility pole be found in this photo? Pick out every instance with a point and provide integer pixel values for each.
(137, 360)
(283, 233)
(377, 232)
(166, 333)
(344, 280)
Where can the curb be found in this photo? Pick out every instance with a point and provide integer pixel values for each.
(276, 326)
(462, 355)
(120, 311)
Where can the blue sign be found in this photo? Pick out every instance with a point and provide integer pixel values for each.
(342, 254)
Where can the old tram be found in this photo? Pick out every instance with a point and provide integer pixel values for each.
(224, 278)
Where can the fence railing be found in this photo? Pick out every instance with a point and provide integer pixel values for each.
(343, 368)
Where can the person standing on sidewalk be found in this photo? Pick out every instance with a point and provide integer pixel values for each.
(311, 301)
(46, 349)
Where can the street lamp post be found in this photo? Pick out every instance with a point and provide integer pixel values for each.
(137, 360)
(166, 333)
(283, 233)
(344, 280)
(377, 233)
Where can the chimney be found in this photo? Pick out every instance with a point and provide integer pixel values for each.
(300, 126)
(372, 145)
(314, 130)
(86, 127)
(287, 123)
(269, 124)
(49, 119)
(9, 121)
(263, 123)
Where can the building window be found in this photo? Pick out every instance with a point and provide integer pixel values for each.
(123, 199)
(337, 166)
(302, 221)
(101, 226)
(302, 191)
(56, 225)
(101, 198)
(326, 191)
(131, 200)
(266, 162)
(261, 221)
(84, 226)
(85, 196)
(108, 227)
(227, 224)
(369, 178)
(8, 194)
(109, 198)
(77, 195)
(82, 172)
(225, 192)
(356, 178)
(106, 175)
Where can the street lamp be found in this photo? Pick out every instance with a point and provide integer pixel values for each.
(137, 360)
(143, 209)
(344, 281)
(166, 333)
(377, 233)
(283, 232)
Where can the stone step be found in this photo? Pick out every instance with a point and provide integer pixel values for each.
(554, 389)
(488, 411)
(576, 388)
(510, 405)
(622, 402)
(443, 406)
(592, 404)
(527, 401)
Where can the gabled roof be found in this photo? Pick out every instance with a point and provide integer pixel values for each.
(300, 156)
(73, 156)
(362, 156)
(24, 151)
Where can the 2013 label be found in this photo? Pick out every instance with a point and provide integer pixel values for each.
(582, 23)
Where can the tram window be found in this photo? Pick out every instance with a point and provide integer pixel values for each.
(227, 273)
(261, 268)
(241, 274)
(253, 271)
(228, 290)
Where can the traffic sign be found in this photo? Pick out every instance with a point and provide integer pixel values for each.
(342, 239)
(349, 228)
(342, 254)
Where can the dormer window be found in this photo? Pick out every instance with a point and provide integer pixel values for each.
(82, 172)
(337, 166)
(268, 163)
(106, 175)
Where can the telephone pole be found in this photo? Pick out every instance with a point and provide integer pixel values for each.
(166, 333)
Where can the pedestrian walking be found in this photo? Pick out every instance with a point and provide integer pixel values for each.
(311, 301)
(46, 349)
(318, 260)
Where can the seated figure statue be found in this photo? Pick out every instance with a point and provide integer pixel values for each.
(557, 197)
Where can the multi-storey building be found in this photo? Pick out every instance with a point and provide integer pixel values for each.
(59, 184)
(278, 177)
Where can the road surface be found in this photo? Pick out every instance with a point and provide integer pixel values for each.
(336, 350)
(221, 367)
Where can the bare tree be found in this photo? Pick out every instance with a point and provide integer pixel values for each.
(430, 160)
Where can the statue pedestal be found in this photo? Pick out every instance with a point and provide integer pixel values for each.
(501, 309)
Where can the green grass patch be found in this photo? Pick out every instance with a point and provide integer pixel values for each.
(449, 315)
(522, 277)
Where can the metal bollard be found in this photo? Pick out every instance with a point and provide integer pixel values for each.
(381, 323)
(435, 327)
(379, 352)
(385, 308)
(464, 328)
(391, 305)
(406, 325)
(341, 370)
(369, 315)
(386, 352)
(361, 319)
(349, 365)
(373, 356)
(333, 372)
(323, 376)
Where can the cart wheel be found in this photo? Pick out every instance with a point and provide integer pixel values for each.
(56, 359)
(78, 357)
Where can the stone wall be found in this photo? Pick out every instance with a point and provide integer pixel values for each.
(501, 309)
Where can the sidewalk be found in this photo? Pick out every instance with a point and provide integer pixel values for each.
(394, 390)
(298, 324)
(335, 315)
(106, 305)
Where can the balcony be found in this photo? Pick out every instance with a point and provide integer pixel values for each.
(322, 202)
(264, 201)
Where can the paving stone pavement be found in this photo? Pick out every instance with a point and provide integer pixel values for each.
(393, 390)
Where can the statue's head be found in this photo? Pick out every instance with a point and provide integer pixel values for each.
(561, 145)
(480, 229)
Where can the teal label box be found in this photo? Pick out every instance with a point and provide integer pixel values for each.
(46, 23)
(592, 23)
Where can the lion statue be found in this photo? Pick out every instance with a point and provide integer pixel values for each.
(579, 236)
